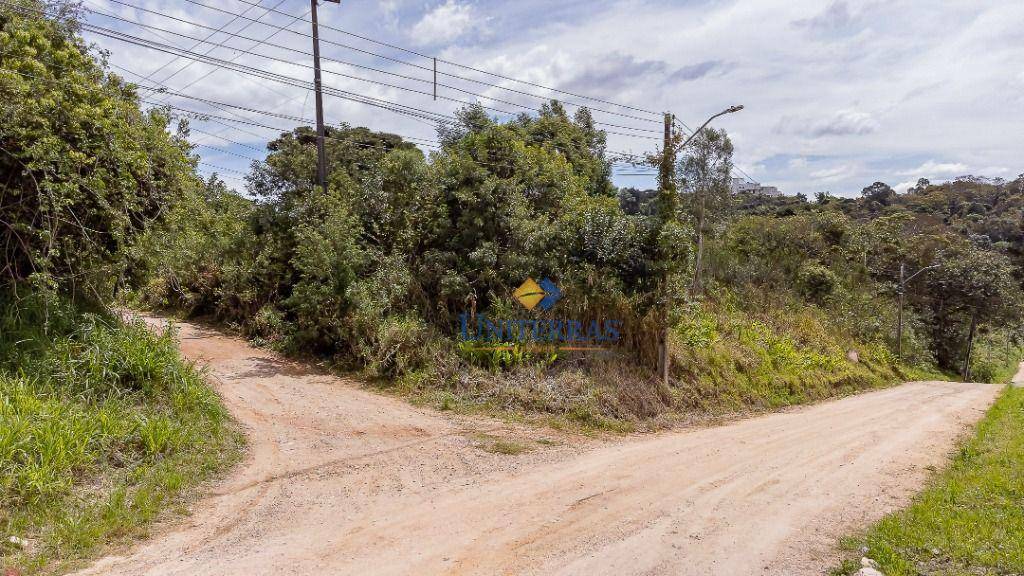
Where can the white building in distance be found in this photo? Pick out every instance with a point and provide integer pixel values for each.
(739, 185)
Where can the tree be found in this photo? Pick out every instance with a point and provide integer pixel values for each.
(972, 287)
(704, 173)
(879, 192)
(85, 170)
(635, 201)
(922, 185)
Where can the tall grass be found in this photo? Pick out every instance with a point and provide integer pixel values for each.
(763, 351)
(970, 519)
(730, 353)
(102, 426)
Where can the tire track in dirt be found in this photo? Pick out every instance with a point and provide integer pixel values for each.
(340, 480)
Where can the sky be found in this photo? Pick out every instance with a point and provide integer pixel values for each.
(836, 95)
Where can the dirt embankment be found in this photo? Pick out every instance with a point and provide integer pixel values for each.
(344, 481)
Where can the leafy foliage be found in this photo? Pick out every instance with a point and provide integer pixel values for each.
(383, 263)
(84, 169)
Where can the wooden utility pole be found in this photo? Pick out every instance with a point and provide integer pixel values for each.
(667, 203)
(321, 152)
(668, 206)
(899, 315)
(970, 345)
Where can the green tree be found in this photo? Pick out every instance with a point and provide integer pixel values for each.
(972, 287)
(704, 173)
(879, 193)
(85, 171)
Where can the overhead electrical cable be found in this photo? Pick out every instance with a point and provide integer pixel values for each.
(382, 56)
(200, 42)
(255, 43)
(241, 52)
(211, 117)
(464, 66)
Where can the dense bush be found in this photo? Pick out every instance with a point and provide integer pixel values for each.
(383, 263)
(101, 423)
(84, 170)
(375, 272)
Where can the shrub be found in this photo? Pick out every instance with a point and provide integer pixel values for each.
(816, 282)
(82, 199)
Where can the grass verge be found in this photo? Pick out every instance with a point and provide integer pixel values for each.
(102, 428)
(970, 520)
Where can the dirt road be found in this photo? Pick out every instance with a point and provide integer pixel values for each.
(1018, 380)
(344, 481)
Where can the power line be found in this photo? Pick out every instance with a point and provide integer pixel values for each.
(161, 87)
(341, 74)
(239, 55)
(437, 145)
(225, 151)
(466, 67)
(128, 38)
(424, 141)
(399, 61)
(228, 140)
(203, 115)
(221, 176)
(211, 60)
(214, 166)
(745, 174)
(198, 43)
(249, 122)
(280, 78)
(289, 80)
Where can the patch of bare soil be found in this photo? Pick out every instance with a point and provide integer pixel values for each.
(340, 480)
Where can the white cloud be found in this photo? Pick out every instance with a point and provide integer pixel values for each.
(847, 89)
(834, 174)
(902, 187)
(932, 168)
(445, 23)
(841, 123)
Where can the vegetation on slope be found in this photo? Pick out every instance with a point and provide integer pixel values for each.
(767, 302)
(969, 520)
(102, 426)
(374, 275)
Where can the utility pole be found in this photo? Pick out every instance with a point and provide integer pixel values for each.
(899, 316)
(970, 345)
(321, 152)
(902, 290)
(667, 205)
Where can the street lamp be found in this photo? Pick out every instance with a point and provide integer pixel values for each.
(902, 292)
(729, 110)
(668, 201)
(696, 285)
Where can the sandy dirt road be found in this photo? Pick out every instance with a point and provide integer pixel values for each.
(344, 481)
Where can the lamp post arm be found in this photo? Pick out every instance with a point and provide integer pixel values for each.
(918, 272)
(729, 110)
